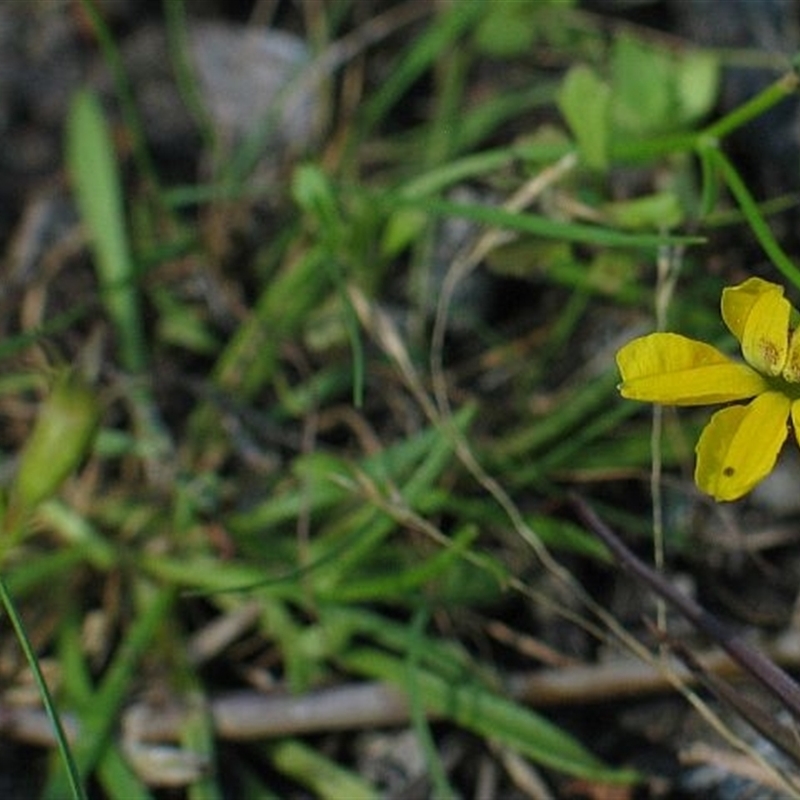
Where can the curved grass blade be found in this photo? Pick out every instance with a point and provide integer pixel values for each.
(754, 217)
(73, 776)
(538, 225)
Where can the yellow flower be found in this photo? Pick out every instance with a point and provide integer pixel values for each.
(740, 444)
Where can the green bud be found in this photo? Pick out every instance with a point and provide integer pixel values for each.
(60, 438)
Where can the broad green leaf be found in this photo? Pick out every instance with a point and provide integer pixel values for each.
(697, 84)
(60, 439)
(643, 81)
(585, 100)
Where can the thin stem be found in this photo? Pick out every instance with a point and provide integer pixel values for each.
(753, 215)
(765, 671)
(755, 107)
(73, 776)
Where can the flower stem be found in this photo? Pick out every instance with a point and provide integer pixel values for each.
(755, 107)
(751, 211)
(764, 670)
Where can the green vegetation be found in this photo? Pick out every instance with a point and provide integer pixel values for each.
(295, 443)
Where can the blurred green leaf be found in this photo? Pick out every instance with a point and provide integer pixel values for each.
(310, 768)
(507, 29)
(643, 80)
(468, 703)
(60, 439)
(697, 84)
(662, 211)
(92, 165)
(512, 29)
(585, 102)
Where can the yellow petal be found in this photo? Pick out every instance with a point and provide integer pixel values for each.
(757, 313)
(796, 420)
(791, 369)
(739, 446)
(671, 369)
(738, 302)
(765, 343)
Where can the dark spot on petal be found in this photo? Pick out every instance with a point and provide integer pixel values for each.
(728, 472)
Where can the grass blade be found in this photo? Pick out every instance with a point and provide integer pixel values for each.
(91, 161)
(99, 709)
(74, 783)
(489, 715)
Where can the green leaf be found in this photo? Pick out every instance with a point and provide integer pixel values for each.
(100, 706)
(643, 79)
(513, 28)
(697, 84)
(64, 429)
(71, 784)
(539, 225)
(403, 228)
(507, 29)
(660, 211)
(487, 714)
(313, 191)
(584, 100)
(326, 779)
(92, 165)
